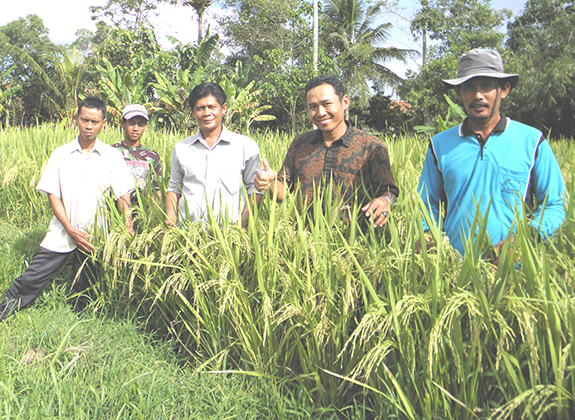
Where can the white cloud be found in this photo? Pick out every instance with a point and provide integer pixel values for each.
(70, 15)
(182, 23)
(63, 18)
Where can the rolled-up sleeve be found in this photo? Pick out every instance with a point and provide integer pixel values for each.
(252, 167)
(122, 179)
(176, 175)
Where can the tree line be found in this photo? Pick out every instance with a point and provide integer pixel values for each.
(262, 54)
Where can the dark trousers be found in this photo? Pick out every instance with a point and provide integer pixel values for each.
(39, 273)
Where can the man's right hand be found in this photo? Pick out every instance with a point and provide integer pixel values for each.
(81, 239)
(428, 244)
(265, 177)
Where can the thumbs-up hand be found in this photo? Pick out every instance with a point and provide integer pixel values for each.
(265, 177)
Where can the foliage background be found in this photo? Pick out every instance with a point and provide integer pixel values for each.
(270, 41)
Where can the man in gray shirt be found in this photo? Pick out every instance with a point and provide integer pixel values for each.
(210, 168)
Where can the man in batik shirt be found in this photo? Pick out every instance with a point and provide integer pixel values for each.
(355, 163)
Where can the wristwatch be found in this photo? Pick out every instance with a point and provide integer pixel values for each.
(388, 199)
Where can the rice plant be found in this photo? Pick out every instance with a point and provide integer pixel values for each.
(349, 314)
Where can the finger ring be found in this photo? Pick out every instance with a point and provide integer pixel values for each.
(385, 214)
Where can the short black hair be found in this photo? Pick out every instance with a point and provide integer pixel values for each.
(93, 102)
(326, 80)
(207, 89)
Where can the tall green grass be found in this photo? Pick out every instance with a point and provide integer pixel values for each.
(54, 365)
(354, 317)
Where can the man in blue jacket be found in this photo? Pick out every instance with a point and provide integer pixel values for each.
(489, 162)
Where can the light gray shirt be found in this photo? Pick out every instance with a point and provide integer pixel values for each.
(213, 178)
(82, 183)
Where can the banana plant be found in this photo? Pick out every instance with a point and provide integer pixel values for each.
(122, 90)
(194, 57)
(173, 108)
(444, 124)
(244, 106)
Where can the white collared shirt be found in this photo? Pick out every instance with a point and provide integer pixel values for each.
(82, 182)
(214, 177)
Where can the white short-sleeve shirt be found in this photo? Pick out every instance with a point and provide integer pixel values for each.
(82, 182)
(215, 176)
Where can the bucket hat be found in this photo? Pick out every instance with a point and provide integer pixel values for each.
(480, 62)
(135, 110)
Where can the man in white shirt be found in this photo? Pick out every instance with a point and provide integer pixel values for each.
(211, 168)
(77, 178)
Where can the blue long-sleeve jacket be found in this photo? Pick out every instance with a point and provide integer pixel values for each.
(516, 163)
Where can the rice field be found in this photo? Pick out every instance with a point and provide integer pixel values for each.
(354, 318)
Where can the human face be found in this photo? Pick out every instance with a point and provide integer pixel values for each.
(208, 113)
(326, 110)
(134, 130)
(481, 97)
(90, 122)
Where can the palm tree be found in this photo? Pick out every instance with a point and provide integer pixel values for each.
(200, 7)
(358, 46)
(315, 35)
(64, 77)
(70, 69)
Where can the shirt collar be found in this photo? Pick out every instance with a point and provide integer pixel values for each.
(130, 147)
(224, 136)
(77, 148)
(345, 139)
(499, 128)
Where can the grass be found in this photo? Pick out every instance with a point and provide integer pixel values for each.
(56, 365)
(341, 320)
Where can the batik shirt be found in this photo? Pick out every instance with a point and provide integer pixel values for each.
(356, 163)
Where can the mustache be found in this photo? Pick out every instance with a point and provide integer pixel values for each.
(478, 103)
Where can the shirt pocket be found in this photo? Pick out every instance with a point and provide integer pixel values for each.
(194, 172)
(512, 182)
(231, 181)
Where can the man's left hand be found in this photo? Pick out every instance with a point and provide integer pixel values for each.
(499, 249)
(377, 211)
